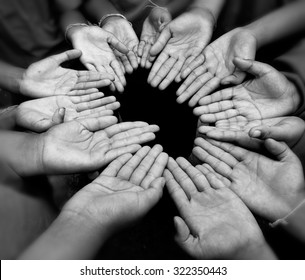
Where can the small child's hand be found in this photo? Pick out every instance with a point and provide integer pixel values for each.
(124, 192)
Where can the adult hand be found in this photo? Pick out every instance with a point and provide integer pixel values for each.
(152, 28)
(123, 193)
(249, 134)
(215, 65)
(179, 43)
(268, 95)
(125, 33)
(41, 114)
(97, 47)
(214, 222)
(271, 188)
(47, 78)
(89, 144)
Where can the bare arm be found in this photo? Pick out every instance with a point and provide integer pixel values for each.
(10, 77)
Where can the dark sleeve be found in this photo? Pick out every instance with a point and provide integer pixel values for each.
(292, 65)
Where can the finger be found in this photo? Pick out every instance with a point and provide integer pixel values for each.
(182, 178)
(176, 192)
(89, 85)
(65, 56)
(193, 65)
(116, 44)
(235, 79)
(117, 82)
(125, 127)
(90, 67)
(255, 68)
(93, 95)
(133, 59)
(194, 87)
(170, 77)
(209, 87)
(183, 236)
(141, 48)
(212, 118)
(118, 71)
(218, 96)
(197, 75)
(88, 76)
(127, 170)
(161, 42)
(279, 149)
(58, 116)
(127, 65)
(157, 66)
(95, 124)
(187, 62)
(156, 170)
(213, 108)
(115, 153)
(212, 179)
(89, 114)
(196, 176)
(92, 104)
(141, 171)
(114, 167)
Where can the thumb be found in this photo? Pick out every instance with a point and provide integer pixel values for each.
(183, 232)
(59, 116)
(253, 67)
(164, 19)
(68, 55)
(161, 42)
(279, 149)
(264, 132)
(117, 44)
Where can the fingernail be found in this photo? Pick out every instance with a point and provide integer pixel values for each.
(256, 134)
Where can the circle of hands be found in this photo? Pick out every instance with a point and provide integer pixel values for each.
(242, 163)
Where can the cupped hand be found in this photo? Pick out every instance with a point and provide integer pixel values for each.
(41, 114)
(89, 144)
(215, 66)
(151, 30)
(47, 78)
(179, 43)
(214, 222)
(122, 30)
(270, 186)
(124, 192)
(249, 134)
(268, 95)
(97, 47)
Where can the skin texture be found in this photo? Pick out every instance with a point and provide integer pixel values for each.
(97, 55)
(125, 33)
(215, 65)
(214, 223)
(270, 186)
(268, 95)
(41, 114)
(249, 134)
(151, 30)
(179, 43)
(47, 78)
(89, 144)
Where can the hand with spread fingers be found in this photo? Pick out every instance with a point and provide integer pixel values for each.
(270, 186)
(151, 30)
(215, 66)
(124, 192)
(179, 43)
(97, 47)
(268, 95)
(214, 222)
(250, 134)
(122, 30)
(47, 78)
(89, 144)
(41, 114)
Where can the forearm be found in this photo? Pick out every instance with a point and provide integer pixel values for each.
(67, 238)
(279, 24)
(213, 6)
(8, 118)
(176, 7)
(99, 8)
(10, 77)
(21, 152)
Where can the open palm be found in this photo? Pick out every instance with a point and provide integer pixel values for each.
(269, 187)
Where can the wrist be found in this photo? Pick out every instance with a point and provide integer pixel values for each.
(254, 31)
(110, 18)
(205, 15)
(73, 30)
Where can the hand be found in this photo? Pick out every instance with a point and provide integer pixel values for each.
(124, 192)
(125, 33)
(179, 43)
(271, 188)
(41, 114)
(47, 78)
(216, 66)
(269, 95)
(89, 144)
(152, 27)
(249, 134)
(97, 55)
(214, 223)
